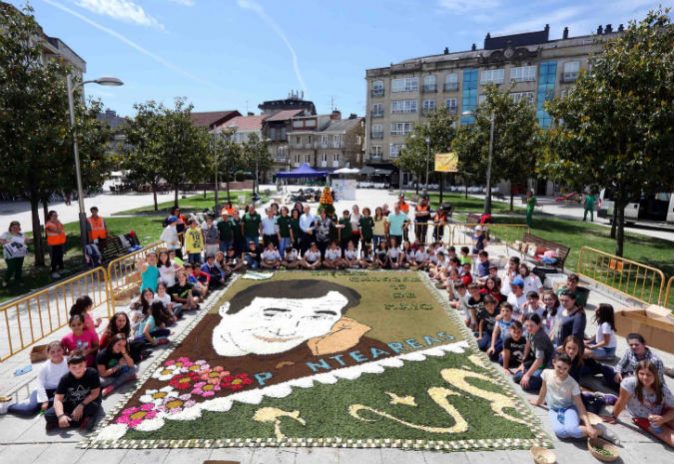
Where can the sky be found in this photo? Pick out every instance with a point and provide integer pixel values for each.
(234, 54)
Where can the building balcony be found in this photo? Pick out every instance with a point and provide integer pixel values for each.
(377, 93)
(432, 88)
(308, 146)
(335, 164)
(451, 86)
(378, 114)
(377, 136)
(280, 159)
(376, 156)
(324, 164)
(324, 145)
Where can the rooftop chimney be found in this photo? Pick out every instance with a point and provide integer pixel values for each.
(565, 34)
(608, 29)
(547, 28)
(474, 47)
(600, 30)
(353, 116)
(488, 36)
(250, 113)
(446, 52)
(336, 115)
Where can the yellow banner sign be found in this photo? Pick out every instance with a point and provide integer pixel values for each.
(446, 162)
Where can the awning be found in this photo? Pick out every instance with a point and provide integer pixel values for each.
(347, 171)
(303, 171)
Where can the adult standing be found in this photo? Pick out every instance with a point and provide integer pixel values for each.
(531, 204)
(96, 227)
(56, 239)
(211, 235)
(270, 228)
(285, 231)
(239, 243)
(225, 231)
(307, 224)
(355, 225)
(405, 209)
(422, 215)
(295, 228)
(396, 223)
(14, 250)
(251, 225)
(323, 229)
(588, 204)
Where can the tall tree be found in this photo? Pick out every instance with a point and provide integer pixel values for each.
(516, 141)
(256, 157)
(36, 148)
(224, 157)
(616, 128)
(438, 129)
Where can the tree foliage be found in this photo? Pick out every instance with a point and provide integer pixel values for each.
(255, 155)
(616, 128)
(517, 140)
(439, 130)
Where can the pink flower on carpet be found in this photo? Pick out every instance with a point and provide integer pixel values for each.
(199, 366)
(214, 375)
(175, 405)
(132, 417)
(180, 363)
(205, 389)
(236, 382)
(184, 381)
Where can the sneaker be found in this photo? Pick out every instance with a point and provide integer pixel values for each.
(107, 391)
(49, 427)
(163, 341)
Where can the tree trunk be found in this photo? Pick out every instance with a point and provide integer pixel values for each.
(228, 197)
(512, 198)
(175, 196)
(465, 192)
(613, 221)
(154, 196)
(37, 231)
(620, 226)
(45, 209)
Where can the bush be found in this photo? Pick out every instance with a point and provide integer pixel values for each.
(239, 176)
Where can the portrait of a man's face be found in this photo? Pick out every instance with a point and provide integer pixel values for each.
(275, 317)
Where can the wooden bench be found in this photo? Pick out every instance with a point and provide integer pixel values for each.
(562, 251)
(112, 248)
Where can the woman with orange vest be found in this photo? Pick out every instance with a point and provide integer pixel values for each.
(96, 226)
(56, 239)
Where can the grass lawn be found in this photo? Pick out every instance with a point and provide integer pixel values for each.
(192, 203)
(472, 204)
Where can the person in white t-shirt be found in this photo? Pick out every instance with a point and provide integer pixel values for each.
(517, 298)
(395, 255)
(312, 257)
(271, 259)
(604, 344)
(333, 257)
(532, 283)
(511, 272)
(420, 259)
(291, 260)
(351, 256)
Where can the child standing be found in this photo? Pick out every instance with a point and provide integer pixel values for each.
(194, 242)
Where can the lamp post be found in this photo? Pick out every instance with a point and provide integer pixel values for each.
(107, 81)
(492, 120)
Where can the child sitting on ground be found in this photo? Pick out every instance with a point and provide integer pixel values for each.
(291, 260)
(504, 322)
(80, 340)
(271, 258)
(351, 256)
(604, 344)
(333, 257)
(514, 345)
(115, 365)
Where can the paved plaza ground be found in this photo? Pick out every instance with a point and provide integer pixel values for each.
(25, 441)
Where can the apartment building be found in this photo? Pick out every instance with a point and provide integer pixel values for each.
(327, 141)
(530, 66)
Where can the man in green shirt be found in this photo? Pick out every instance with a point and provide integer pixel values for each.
(345, 230)
(590, 200)
(283, 223)
(226, 231)
(251, 225)
(237, 233)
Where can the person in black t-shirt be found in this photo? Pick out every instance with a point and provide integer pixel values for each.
(475, 304)
(253, 255)
(183, 292)
(115, 365)
(513, 348)
(234, 261)
(486, 318)
(78, 397)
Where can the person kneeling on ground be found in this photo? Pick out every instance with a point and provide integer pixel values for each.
(115, 365)
(48, 379)
(78, 397)
(562, 395)
(648, 400)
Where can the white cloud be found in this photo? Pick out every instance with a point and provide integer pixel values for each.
(464, 6)
(122, 10)
(167, 64)
(183, 2)
(259, 10)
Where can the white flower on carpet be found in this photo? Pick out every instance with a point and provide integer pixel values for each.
(165, 373)
(158, 397)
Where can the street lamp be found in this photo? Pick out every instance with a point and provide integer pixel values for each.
(107, 81)
(492, 120)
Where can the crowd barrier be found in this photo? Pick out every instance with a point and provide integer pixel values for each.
(635, 280)
(124, 273)
(34, 317)
(668, 299)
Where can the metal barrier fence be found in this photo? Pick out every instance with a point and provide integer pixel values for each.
(633, 279)
(668, 300)
(124, 274)
(36, 316)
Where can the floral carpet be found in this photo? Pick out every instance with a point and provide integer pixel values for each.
(352, 359)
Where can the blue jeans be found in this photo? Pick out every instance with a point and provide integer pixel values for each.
(565, 423)
(125, 374)
(283, 244)
(31, 405)
(194, 258)
(224, 246)
(376, 240)
(535, 381)
(603, 352)
(255, 240)
(251, 263)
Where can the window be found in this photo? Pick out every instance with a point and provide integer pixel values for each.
(519, 96)
(310, 123)
(307, 158)
(451, 82)
(469, 94)
(324, 157)
(547, 76)
(451, 105)
(377, 110)
(376, 150)
(297, 124)
(523, 74)
(377, 88)
(395, 148)
(492, 76)
(571, 70)
(335, 157)
(481, 99)
(429, 105)
(403, 106)
(430, 84)
(401, 128)
(405, 84)
(336, 141)
(377, 131)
